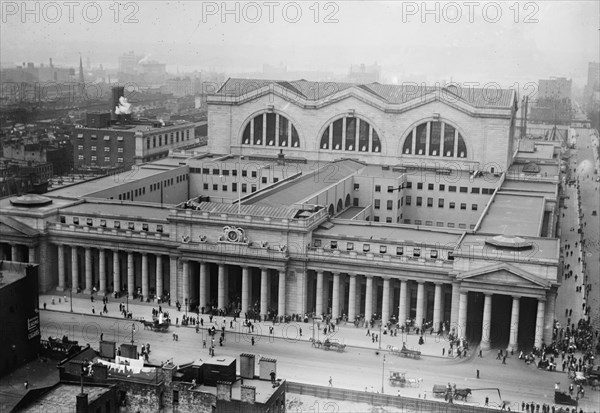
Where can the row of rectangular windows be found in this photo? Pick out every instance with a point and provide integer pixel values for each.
(234, 187)
(94, 158)
(93, 148)
(95, 137)
(431, 187)
(116, 224)
(160, 139)
(383, 249)
(441, 202)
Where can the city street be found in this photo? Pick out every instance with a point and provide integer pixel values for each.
(356, 368)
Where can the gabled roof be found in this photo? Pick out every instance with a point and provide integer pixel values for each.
(17, 226)
(519, 277)
(390, 94)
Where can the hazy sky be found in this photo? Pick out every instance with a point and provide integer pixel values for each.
(502, 42)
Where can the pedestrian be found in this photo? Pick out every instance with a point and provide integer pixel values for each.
(93, 310)
(101, 336)
(252, 340)
(204, 343)
(26, 384)
(443, 351)
(487, 401)
(504, 360)
(330, 382)
(477, 373)
(480, 353)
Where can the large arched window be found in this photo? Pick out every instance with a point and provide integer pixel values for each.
(435, 138)
(270, 129)
(350, 133)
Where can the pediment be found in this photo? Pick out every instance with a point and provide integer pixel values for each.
(11, 227)
(503, 274)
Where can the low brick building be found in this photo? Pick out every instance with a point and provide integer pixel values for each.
(203, 386)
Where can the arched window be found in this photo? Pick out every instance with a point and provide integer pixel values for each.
(271, 129)
(352, 134)
(435, 138)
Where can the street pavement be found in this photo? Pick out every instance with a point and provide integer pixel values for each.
(358, 367)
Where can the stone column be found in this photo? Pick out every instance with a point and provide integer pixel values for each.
(549, 324)
(454, 305)
(14, 252)
(437, 307)
(221, 287)
(487, 322)
(61, 268)
(263, 291)
(245, 289)
(462, 314)
(203, 297)
(173, 278)
(514, 324)
(74, 270)
(31, 258)
(420, 303)
(369, 298)
(281, 295)
(130, 275)
(159, 277)
(301, 291)
(402, 302)
(102, 271)
(539, 323)
(186, 282)
(352, 298)
(116, 271)
(145, 286)
(335, 302)
(319, 298)
(385, 302)
(88, 271)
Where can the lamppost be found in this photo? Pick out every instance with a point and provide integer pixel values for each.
(382, 373)
(132, 331)
(379, 338)
(71, 297)
(127, 298)
(186, 306)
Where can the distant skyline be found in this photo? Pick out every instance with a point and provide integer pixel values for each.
(191, 35)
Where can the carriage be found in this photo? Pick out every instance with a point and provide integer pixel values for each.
(564, 399)
(155, 325)
(404, 352)
(329, 345)
(399, 379)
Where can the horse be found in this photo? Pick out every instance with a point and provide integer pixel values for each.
(414, 382)
(462, 394)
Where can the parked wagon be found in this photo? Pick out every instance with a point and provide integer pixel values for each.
(333, 345)
(404, 351)
(156, 326)
(440, 390)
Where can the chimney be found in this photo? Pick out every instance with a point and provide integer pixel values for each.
(223, 391)
(82, 403)
(248, 394)
(247, 366)
(266, 367)
(280, 158)
(117, 93)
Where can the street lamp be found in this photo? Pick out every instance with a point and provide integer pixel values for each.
(186, 306)
(380, 328)
(132, 331)
(71, 297)
(127, 298)
(382, 373)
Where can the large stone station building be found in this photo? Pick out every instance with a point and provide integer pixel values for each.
(359, 201)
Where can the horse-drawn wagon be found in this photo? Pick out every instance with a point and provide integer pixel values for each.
(155, 325)
(404, 351)
(329, 345)
(399, 379)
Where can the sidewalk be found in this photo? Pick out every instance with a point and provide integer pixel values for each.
(344, 333)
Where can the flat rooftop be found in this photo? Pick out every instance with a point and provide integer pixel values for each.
(375, 231)
(543, 248)
(121, 209)
(303, 187)
(264, 389)
(512, 214)
(543, 188)
(7, 207)
(89, 188)
(63, 396)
